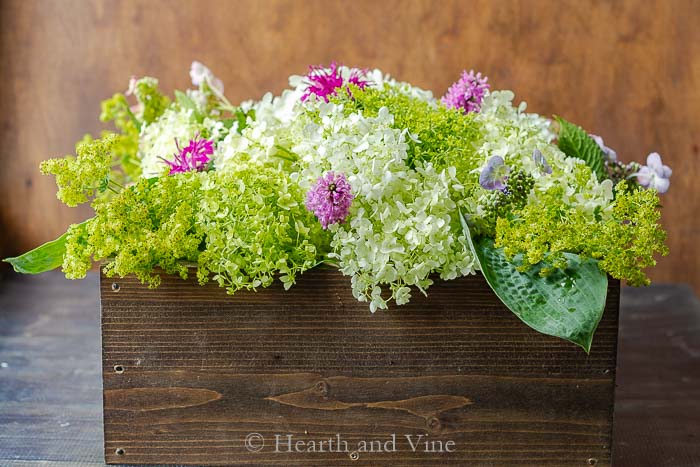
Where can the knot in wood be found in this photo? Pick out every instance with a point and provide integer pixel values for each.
(434, 424)
(321, 388)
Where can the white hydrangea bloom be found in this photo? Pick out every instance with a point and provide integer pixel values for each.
(401, 226)
(378, 79)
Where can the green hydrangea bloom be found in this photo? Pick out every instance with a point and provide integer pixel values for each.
(256, 228)
(438, 135)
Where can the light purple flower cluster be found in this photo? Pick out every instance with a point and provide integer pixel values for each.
(194, 156)
(541, 162)
(610, 154)
(495, 175)
(467, 93)
(330, 199)
(324, 82)
(655, 174)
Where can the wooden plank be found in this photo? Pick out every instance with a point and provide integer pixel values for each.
(189, 372)
(49, 339)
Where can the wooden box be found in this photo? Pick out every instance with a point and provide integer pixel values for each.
(310, 377)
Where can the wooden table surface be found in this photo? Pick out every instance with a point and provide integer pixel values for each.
(51, 391)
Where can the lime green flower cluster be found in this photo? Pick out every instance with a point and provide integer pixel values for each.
(242, 229)
(437, 134)
(623, 241)
(83, 176)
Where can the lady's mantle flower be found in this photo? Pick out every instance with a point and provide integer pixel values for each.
(610, 154)
(194, 156)
(324, 82)
(495, 175)
(467, 93)
(655, 174)
(330, 198)
(201, 74)
(541, 162)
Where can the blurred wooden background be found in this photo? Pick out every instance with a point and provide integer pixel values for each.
(627, 70)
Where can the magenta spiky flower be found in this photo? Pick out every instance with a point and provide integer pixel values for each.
(467, 93)
(194, 156)
(324, 82)
(330, 199)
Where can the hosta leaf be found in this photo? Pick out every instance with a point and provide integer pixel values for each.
(42, 258)
(567, 303)
(574, 141)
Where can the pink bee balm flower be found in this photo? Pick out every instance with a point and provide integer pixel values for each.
(194, 156)
(324, 82)
(330, 199)
(467, 93)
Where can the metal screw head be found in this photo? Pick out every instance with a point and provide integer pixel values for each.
(118, 369)
(119, 451)
(354, 455)
(592, 461)
(115, 287)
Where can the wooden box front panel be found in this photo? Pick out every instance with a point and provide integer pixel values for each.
(310, 377)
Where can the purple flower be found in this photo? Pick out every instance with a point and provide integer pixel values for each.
(541, 162)
(194, 156)
(655, 174)
(324, 82)
(495, 175)
(330, 199)
(610, 154)
(467, 93)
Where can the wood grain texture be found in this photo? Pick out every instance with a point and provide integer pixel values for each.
(189, 372)
(51, 390)
(626, 69)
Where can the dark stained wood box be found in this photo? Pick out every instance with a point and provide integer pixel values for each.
(195, 376)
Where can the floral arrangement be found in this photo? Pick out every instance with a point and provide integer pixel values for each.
(377, 177)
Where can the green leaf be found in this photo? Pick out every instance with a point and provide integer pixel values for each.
(567, 303)
(574, 141)
(41, 259)
(186, 102)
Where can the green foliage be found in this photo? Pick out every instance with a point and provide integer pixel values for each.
(42, 258)
(185, 102)
(443, 135)
(566, 303)
(81, 177)
(575, 142)
(623, 240)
